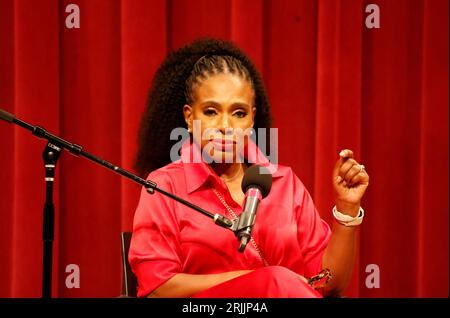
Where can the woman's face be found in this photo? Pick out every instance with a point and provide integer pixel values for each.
(224, 106)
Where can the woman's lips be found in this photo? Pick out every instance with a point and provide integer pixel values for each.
(223, 141)
(226, 144)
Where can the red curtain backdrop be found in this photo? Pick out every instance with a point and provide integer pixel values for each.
(333, 84)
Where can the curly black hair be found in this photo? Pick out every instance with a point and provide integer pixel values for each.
(172, 87)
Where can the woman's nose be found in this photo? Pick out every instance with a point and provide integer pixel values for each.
(225, 125)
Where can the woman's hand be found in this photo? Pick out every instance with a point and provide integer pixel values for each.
(350, 181)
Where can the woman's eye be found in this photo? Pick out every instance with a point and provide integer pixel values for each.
(209, 112)
(240, 114)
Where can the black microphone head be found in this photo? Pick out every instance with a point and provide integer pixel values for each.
(259, 177)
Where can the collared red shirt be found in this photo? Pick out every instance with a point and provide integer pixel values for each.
(170, 238)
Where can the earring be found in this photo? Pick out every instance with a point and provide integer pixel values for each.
(189, 130)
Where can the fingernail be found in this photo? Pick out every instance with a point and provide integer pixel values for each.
(342, 153)
(338, 179)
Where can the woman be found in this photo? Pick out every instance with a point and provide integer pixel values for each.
(176, 252)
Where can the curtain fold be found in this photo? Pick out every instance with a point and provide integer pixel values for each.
(332, 82)
(338, 97)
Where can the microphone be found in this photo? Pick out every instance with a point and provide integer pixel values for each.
(256, 185)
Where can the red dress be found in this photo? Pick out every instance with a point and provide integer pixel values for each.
(169, 238)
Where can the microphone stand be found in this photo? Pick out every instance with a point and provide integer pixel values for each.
(51, 155)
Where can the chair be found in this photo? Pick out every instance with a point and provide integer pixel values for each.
(129, 281)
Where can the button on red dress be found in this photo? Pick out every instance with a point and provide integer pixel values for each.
(169, 238)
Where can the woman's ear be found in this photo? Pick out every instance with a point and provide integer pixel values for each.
(188, 115)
